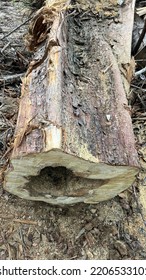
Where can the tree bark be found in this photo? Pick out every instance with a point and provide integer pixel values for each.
(74, 140)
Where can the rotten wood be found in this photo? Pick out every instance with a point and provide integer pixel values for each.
(74, 140)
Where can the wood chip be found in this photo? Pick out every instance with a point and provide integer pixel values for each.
(28, 222)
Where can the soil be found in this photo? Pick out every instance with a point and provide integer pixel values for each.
(110, 230)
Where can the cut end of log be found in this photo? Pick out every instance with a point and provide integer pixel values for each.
(59, 178)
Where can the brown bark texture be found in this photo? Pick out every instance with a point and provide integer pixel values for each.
(74, 140)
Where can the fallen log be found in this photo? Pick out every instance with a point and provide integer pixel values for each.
(74, 140)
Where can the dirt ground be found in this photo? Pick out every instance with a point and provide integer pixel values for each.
(110, 230)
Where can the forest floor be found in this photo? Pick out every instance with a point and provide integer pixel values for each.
(110, 230)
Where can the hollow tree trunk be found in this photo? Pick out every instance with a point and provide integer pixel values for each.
(74, 140)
